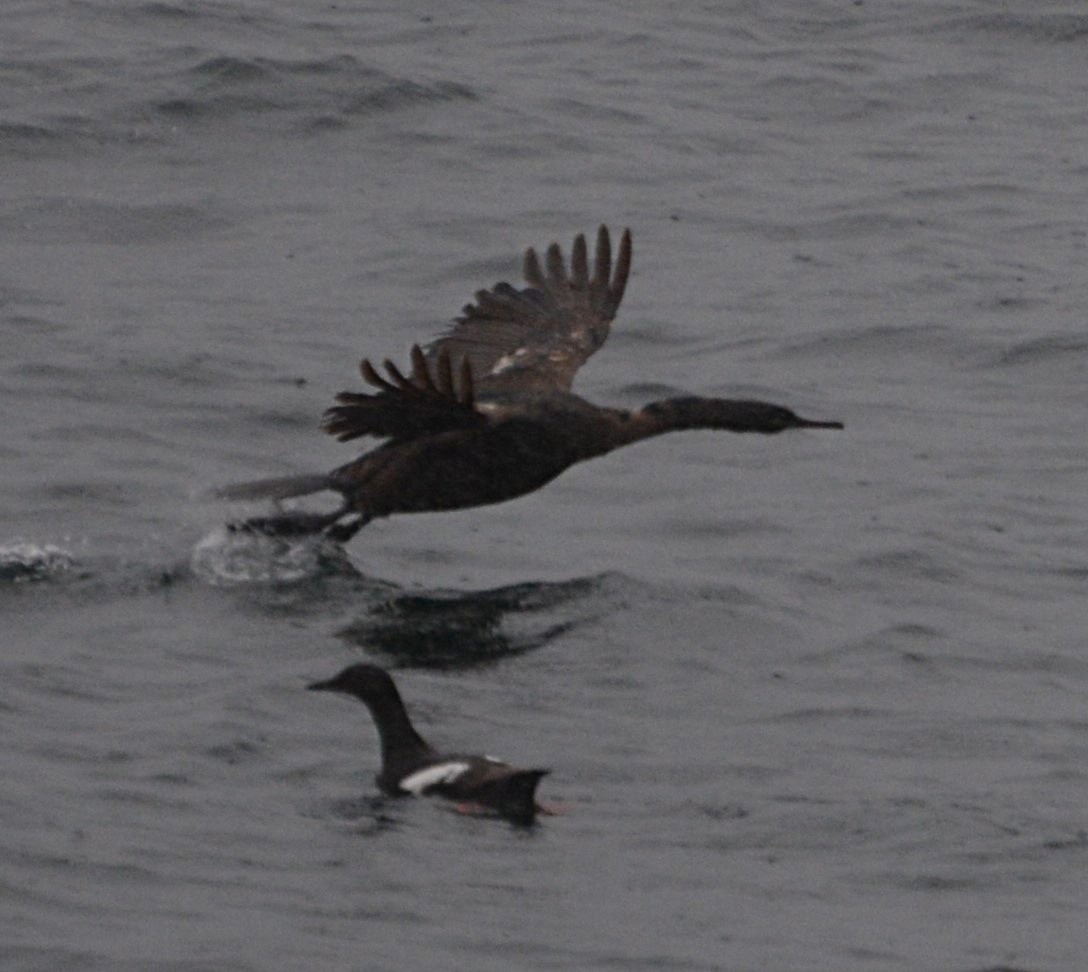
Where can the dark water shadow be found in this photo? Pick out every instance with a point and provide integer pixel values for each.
(315, 583)
(465, 629)
(368, 815)
(441, 628)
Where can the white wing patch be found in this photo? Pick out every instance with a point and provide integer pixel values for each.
(415, 783)
(508, 361)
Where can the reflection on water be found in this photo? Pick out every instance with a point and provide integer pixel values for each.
(369, 815)
(445, 629)
(462, 629)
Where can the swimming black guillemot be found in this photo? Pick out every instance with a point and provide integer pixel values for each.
(411, 767)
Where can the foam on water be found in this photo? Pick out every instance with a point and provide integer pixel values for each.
(226, 557)
(27, 561)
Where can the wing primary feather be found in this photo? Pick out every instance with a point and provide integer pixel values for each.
(579, 264)
(621, 273)
(557, 273)
(445, 373)
(531, 269)
(420, 372)
(602, 266)
(402, 383)
(373, 378)
(468, 396)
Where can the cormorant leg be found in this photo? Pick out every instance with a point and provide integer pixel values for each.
(295, 524)
(343, 532)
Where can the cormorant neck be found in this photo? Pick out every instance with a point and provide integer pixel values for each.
(726, 414)
(692, 412)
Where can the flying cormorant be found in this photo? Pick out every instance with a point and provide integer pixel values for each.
(486, 413)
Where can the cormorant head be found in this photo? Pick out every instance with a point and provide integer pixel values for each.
(753, 416)
(728, 414)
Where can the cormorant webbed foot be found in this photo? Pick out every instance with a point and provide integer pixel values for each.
(343, 532)
(286, 524)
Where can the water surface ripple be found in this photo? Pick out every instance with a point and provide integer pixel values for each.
(812, 702)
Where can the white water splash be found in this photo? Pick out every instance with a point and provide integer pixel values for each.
(226, 558)
(25, 561)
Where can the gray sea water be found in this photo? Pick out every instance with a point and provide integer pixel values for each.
(815, 702)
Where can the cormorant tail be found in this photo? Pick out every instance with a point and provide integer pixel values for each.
(280, 488)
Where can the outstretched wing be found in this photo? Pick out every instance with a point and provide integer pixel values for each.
(403, 408)
(537, 338)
